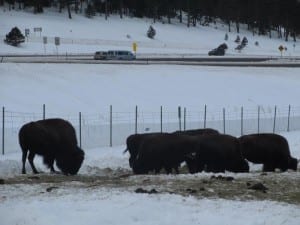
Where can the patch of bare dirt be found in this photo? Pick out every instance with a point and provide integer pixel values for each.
(282, 187)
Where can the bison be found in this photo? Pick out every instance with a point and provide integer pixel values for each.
(160, 151)
(134, 141)
(217, 153)
(271, 150)
(53, 139)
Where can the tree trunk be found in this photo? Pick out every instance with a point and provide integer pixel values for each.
(294, 36)
(180, 15)
(279, 32)
(286, 34)
(60, 6)
(76, 7)
(121, 9)
(237, 27)
(69, 10)
(189, 14)
(106, 9)
(169, 17)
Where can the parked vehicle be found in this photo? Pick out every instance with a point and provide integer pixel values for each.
(219, 51)
(120, 55)
(100, 55)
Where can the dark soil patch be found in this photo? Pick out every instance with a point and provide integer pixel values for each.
(283, 187)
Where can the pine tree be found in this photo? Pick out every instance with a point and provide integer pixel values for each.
(14, 37)
(151, 32)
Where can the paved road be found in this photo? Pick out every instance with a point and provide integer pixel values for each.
(257, 61)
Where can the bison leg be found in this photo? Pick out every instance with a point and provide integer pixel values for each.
(156, 170)
(268, 168)
(30, 159)
(24, 156)
(52, 170)
(50, 163)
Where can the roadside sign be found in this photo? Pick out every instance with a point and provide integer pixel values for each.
(45, 40)
(281, 49)
(37, 29)
(134, 46)
(27, 32)
(57, 40)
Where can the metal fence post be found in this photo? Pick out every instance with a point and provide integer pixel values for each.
(44, 111)
(110, 127)
(161, 119)
(184, 118)
(224, 129)
(136, 118)
(274, 124)
(242, 120)
(289, 114)
(258, 115)
(80, 129)
(3, 121)
(179, 117)
(204, 125)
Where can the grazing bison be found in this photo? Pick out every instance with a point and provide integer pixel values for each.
(134, 141)
(53, 139)
(217, 153)
(271, 150)
(160, 151)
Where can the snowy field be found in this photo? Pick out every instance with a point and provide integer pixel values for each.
(92, 88)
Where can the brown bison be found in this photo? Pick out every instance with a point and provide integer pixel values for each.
(217, 153)
(162, 151)
(134, 141)
(271, 150)
(53, 139)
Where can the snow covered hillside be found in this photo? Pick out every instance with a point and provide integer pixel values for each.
(83, 35)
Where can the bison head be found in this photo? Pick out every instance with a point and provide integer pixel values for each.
(70, 161)
(293, 163)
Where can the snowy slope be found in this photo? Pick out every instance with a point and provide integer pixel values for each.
(84, 35)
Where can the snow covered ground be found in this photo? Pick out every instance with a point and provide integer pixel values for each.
(83, 35)
(106, 206)
(70, 88)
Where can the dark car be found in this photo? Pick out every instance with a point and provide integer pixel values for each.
(219, 51)
(100, 55)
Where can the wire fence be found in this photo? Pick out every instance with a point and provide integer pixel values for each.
(111, 128)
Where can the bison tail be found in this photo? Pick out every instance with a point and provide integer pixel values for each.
(125, 150)
(22, 139)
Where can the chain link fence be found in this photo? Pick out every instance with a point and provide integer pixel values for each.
(111, 128)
